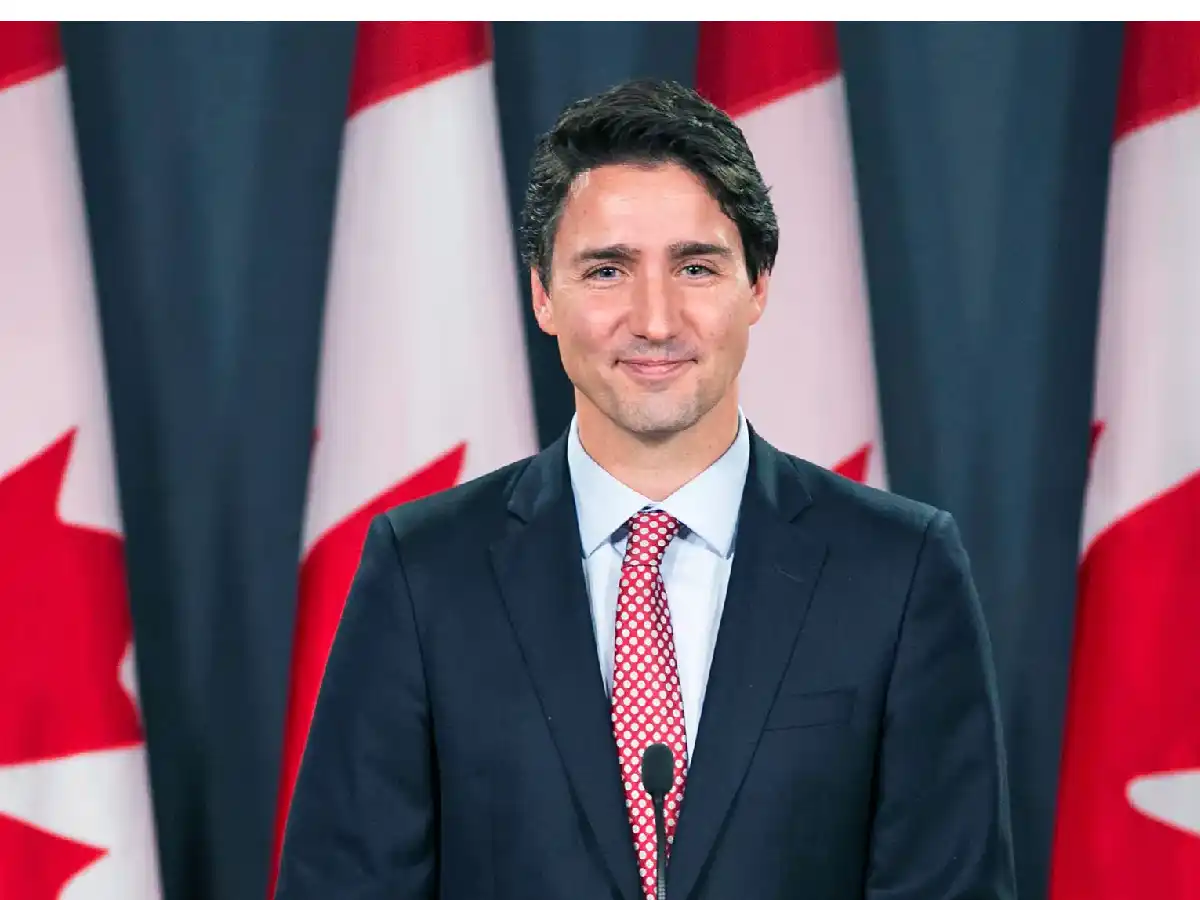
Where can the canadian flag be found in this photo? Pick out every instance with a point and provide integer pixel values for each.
(423, 374)
(75, 813)
(808, 383)
(1128, 818)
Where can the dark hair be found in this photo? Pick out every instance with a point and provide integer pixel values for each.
(648, 122)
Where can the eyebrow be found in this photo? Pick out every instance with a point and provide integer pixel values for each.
(611, 253)
(699, 248)
(626, 254)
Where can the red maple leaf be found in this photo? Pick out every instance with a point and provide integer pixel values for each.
(325, 578)
(64, 622)
(854, 466)
(37, 864)
(64, 628)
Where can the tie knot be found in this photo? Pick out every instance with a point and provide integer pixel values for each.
(649, 533)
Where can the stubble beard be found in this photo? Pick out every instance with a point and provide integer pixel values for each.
(658, 416)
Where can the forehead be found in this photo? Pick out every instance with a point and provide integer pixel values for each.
(620, 202)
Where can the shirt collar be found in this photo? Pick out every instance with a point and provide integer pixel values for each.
(707, 505)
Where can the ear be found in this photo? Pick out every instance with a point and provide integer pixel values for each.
(758, 296)
(543, 308)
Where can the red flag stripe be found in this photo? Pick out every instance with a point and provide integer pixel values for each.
(746, 65)
(1131, 709)
(27, 50)
(394, 57)
(1160, 75)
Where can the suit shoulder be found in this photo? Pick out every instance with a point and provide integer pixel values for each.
(882, 532)
(478, 502)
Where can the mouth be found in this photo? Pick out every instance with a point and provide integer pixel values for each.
(653, 370)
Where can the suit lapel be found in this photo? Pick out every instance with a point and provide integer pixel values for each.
(775, 569)
(540, 571)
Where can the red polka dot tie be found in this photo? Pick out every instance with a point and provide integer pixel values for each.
(647, 706)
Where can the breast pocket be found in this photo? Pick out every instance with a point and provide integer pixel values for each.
(808, 710)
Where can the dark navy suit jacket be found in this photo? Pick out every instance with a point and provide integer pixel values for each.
(849, 747)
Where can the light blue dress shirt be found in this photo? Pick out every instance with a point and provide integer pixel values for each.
(695, 568)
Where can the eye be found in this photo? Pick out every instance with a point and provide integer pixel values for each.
(697, 270)
(603, 273)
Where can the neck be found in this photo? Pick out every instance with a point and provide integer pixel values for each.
(657, 466)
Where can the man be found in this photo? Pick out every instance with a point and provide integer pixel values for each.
(811, 651)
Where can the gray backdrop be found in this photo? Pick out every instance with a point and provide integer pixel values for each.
(209, 156)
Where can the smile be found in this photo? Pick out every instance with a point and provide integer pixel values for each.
(653, 371)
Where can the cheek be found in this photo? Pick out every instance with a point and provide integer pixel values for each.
(722, 326)
(590, 328)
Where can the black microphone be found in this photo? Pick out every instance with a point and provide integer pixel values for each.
(658, 773)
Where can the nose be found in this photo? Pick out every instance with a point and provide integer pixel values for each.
(655, 307)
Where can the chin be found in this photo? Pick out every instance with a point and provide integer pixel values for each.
(651, 418)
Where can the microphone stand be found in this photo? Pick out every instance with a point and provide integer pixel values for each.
(660, 827)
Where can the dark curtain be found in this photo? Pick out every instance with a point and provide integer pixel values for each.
(210, 155)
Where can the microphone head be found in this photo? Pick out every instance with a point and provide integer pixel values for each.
(658, 764)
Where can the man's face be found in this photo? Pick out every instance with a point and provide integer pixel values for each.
(649, 297)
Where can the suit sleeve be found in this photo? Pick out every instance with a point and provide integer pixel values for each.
(941, 829)
(361, 825)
